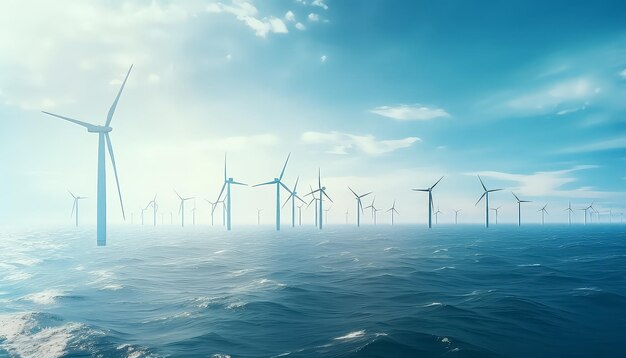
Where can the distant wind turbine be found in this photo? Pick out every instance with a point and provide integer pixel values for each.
(193, 212)
(326, 214)
(496, 210)
(359, 205)
(347, 213)
(213, 206)
(371, 206)
(300, 214)
(155, 207)
(543, 212)
(393, 211)
(258, 216)
(456, 216)
(293, 196)
(142, 211)
(313, 199)
(430, 201)
(569, 212)
(181, 208)
(322, 192)
(486, 196)
(278, 182)
(75, 205)
(228, 181)
(590, 207)
(103, 136)
(519, 208)
(437, 215)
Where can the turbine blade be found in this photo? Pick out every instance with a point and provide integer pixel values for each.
(73, 206)
(268, 183)
(286, 201)
(239, 183)
(353, 192)
(481, 198)
(364, 195)
(326, 195)
(117, 181)
(492, 190)
(299, 198)
(425, 190)
(80, 123)
(117, 98)
(481, 183)
(73, 196)
(181, 198)
(284, 167)
(519, 201)
(218, 197)
(432, 187)
(285, 187)
(295, 187)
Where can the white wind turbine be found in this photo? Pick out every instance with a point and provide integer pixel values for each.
(103, 137)
(393, 211)
(486, 196)
(181, 208)
(75, 205)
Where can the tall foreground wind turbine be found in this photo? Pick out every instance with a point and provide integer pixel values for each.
(278, 182)
(322, 192)
(181, 208)
(569, 212)
(519, 208)
(543, 212)
(226, 208)
(293, 195)
(103, 136)
(359, 206)
(430, 202)
(393, 211)
(486, 196)
(75, 205)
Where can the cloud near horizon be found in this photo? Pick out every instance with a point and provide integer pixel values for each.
(345, 143)
(405, 112)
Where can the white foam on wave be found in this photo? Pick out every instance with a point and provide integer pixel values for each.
(46, 297)
(18, 276)
(219, 252)
(595, 289)
(432, 304)
(440, 250)
(389, 248)
(105, 280)
(528, 265)
(22, 336)
(352, 335)
(133, 352)
(235, 305)
(112, 287)
(445, 268)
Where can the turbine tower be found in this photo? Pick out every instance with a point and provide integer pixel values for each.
(142, 211)
(543, 212)
(393, 211)
(456, 216)
(278, 182)
(486, 196)
(519, 208)
(371, 206)
(326, 214)
(75, 205)
(569, 212)
(359, 206)
(213, 207)
(314, 199)
(227, 204)
(322, 192)
(437, 215)
(181, 208)
(347, 213)
(300, 214)
(193, 212)
(258, 216)
(155, 207)
(103, 136)
(293, 196)
(430, 202)
(496, 210)
(590, 207)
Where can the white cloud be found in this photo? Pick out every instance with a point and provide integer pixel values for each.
(323, 58)
(247, 13)
(623, 74)
(229, 57)
(566, 93)
(546, 184)
(300, 26)
(344, 143)
(410, 112)
(615, 143)
(320, 3)
(290, 16)
(314, 17)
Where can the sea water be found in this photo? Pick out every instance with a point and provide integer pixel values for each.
(401, 291)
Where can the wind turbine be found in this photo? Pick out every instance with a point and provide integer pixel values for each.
(142, 211)
(326, 214)
(359, 206)
(322, 192)
(300, 214)
(543, 211)
(569, 212)
(181, 208)
(103, 136)
(430, 202)
(193, 212)
(437, 215)
(347, 213)
(226, 205)
(258, 216)
(154, 208)
(371, 206)
(314, 199)
(519, 208)
(162, 218)
(496, 210)
(456, 216)
(393, 211)
(486, 196)
(75, 205)
(213, 206)
(171, 218)
(279, 183)
(621, 218)
(293, 195)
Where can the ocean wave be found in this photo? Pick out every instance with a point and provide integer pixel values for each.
(46, 297)
(351, 335)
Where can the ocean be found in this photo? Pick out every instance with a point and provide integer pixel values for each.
(401, 291)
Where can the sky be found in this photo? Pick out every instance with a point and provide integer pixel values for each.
(382, 96)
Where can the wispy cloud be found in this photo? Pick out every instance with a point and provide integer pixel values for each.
(405, 112)
(320, 3)
(547, 184)
(314, 17)
(569, 93)
(345, 143)
(247, 13)
(623, 74)
(614, 143)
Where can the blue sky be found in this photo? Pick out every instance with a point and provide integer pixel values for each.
(382, 95)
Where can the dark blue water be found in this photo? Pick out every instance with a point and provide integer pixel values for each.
(453, 291)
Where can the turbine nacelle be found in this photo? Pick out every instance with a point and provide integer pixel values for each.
(99, 129)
